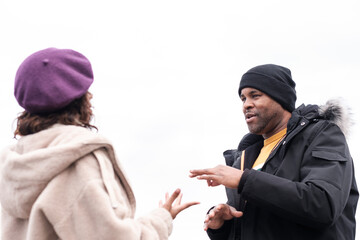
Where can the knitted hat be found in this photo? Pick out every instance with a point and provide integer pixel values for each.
(50, 79)
(275, 81)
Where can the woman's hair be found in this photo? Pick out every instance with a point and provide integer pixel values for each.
(78, 113)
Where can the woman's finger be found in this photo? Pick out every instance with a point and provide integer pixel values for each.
(173, 196)
(178, 199)
(186, 205)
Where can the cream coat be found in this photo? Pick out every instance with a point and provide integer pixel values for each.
(66, 183)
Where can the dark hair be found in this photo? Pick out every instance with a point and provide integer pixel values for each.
(78, 113)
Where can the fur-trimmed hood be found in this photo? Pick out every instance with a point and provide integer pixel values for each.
(334, 110)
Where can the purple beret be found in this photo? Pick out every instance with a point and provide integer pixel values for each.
(50, 79)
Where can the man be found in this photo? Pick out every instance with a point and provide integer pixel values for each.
(292, 176)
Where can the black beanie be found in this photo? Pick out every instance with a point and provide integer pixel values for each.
(273, 80)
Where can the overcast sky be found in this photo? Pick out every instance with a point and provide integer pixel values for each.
(167, 73)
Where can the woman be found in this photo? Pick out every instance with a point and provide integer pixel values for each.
(61, 180)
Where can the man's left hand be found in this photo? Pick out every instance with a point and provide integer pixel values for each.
(219, 175)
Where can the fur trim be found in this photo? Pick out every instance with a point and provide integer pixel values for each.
(337, 112)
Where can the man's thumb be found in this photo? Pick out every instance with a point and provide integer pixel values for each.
(236, 214)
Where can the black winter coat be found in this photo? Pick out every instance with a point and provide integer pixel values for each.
(305, 190)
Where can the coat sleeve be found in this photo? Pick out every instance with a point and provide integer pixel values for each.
(318, 198)
(93, 217)
(222, 233)
(88, 201)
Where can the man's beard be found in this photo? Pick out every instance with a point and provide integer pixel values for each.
(262, 123)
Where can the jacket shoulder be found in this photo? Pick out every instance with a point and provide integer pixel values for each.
(334, 111)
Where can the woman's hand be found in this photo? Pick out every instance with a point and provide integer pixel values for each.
(173, 203)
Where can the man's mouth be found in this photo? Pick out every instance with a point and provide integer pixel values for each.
(249, 117)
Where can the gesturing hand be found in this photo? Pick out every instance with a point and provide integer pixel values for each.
(224, 175)
(177, 207)
(216, 217)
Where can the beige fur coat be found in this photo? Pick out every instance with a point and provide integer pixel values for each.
(66, 183)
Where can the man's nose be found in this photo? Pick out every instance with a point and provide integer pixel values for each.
(247, 104)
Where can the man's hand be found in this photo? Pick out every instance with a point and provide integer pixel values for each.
(224, 175)
(177, 207)
(216, 217)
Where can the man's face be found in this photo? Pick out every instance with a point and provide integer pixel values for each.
(262, 114)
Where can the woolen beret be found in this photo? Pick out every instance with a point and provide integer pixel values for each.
(273, 80)
(50, 79)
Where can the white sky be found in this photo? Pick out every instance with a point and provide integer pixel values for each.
(167, 73)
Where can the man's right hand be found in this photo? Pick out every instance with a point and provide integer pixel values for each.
(216, 217)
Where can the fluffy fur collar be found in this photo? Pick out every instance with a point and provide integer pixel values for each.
(337, 111)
